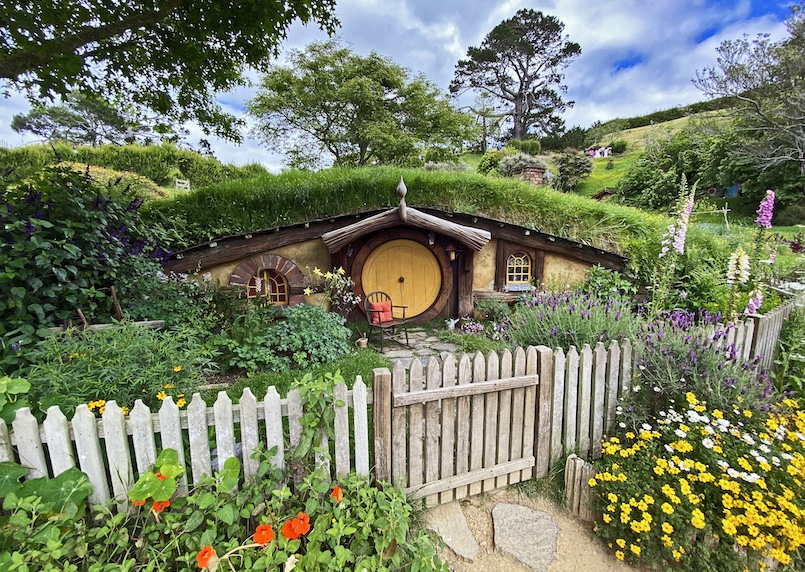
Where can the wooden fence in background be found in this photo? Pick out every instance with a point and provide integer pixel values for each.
(115, 449)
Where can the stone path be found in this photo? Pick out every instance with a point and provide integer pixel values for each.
(422, 346)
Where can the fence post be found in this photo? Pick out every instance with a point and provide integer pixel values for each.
(381, 419)
(544, 416)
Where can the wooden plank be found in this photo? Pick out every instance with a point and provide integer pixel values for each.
(570, 481)
(341, 430)
(399, 428)
(749, 337)
(416, 428)
(29, 444)
(433, 429)
(627, 367)
(510, 421)
(448, 454)
(88, 450)
(170, 428)
(613, 375)
(585, 400)
(570, 428)
(558, 406)
(381, 383)
(199, 442)
(249, 433)
(491, 419)
(599, 397)
(493, 386)
(544, 415)
(477, 424)
(224, 428)
(142, 437)
(295, 412)
(6, 451)
(463, 424)
(117, 452)
(525, 363)
(487, 473)
(361, 427)
(274, 433)
(57, 435)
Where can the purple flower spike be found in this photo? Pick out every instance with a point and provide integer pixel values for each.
(765, 210)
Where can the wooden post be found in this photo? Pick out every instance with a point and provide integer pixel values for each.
(544, 404)
(381, 418)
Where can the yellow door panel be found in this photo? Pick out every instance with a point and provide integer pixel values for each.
(407, 271)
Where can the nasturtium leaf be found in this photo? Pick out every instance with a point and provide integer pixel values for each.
(72, 486)
(17, 385)
(230, 474)
(227, 514)
(10, 475)
(167, 456)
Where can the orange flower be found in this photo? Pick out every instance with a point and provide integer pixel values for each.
(159, 506)
(160, 476)
(204, 556)
(138, 502)
(264, 534)
(337, 494)
(296, 527)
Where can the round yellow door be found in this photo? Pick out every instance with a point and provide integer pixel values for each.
(405, 270)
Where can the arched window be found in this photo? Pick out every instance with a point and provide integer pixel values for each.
(518, 272)
(269, 284)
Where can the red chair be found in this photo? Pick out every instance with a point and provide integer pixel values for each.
(380, 312)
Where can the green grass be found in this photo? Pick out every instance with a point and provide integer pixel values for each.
(472, 159)
(602, 178)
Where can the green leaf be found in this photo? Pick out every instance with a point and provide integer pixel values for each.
(167, 456)
(72, 486)
(10, 475)
(195, 520)
(17, 385)
(230, 475)
(227, 514)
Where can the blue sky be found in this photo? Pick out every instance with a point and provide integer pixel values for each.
(638, 56)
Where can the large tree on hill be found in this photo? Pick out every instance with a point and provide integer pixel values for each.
(357, 110)
(83, 120)
(765, 78)
(168, 56)
(520, 63)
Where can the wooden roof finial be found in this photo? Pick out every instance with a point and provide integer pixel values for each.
(402, 190)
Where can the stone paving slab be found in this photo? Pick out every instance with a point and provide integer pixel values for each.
(449, 522)
(530, 537)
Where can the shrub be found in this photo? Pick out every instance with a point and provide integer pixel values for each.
(604, 282)
(491, 159)
(704, 488)
(527, 146)
(509, 163)
(121, 364)
(618, 146)
(65, 241)
(678, 355)
(572, 166)
(492, 310)
(565, 319)
(439, 155)
(457, 166)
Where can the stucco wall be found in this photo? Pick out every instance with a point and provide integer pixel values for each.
(560, 272)
(306, 255)
(483, 277)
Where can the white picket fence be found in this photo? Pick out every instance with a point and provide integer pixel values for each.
(115, 449)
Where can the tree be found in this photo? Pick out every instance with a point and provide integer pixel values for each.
(765, 80)
(355, 109)
(168, 56)
(519, 63)
(573, 167)
(81, 120)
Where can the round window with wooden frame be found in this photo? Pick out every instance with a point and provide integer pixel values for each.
(518, 271)
(269, 284)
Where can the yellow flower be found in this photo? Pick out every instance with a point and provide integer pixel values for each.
(747, 414)
(177, 369)
(340, 270)
(161, 395)
(308, 291)
(102, 409)
(667, 508)
(181, 402)
(592, 482)
(691, 398)
(607, 518)
(125, 410)
(168, 386)
(621, 542)
(619, 555)
(612, 497)
(73, 355)
(635, 549)
(667, 528)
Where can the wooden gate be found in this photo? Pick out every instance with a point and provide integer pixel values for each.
(448, 431)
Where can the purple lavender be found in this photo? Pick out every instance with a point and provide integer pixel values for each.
(766, 210)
